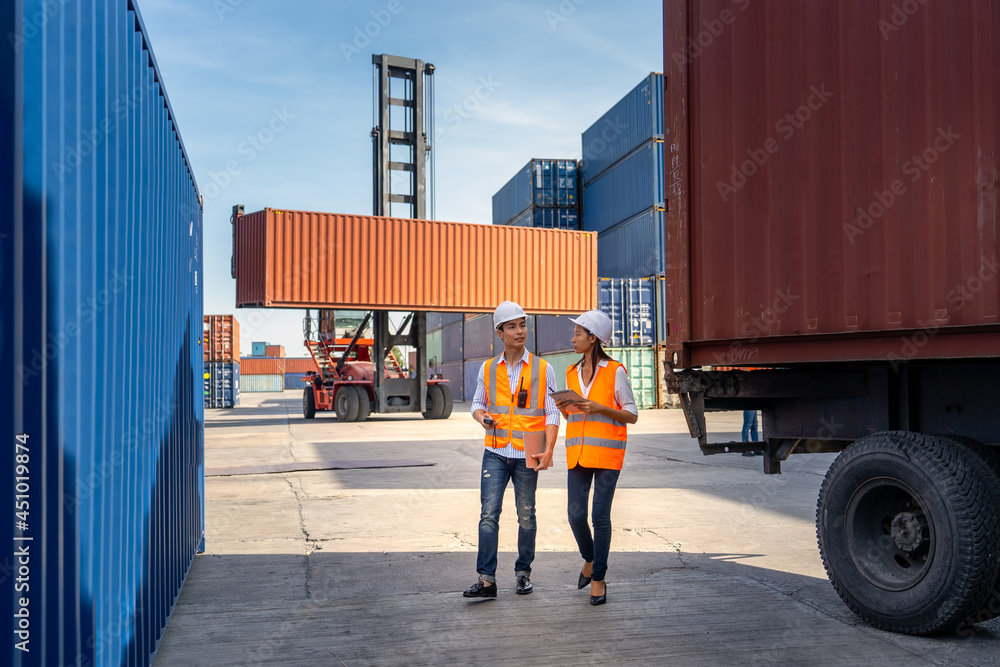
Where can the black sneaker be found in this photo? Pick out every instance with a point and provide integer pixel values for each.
(481, 590)
(523, 585)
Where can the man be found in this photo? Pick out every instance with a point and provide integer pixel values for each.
(512, 400)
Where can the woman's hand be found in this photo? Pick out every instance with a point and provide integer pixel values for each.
(589, 407)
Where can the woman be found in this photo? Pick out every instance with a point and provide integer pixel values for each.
(595, 443)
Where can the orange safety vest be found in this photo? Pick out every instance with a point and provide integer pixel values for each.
(595, 441)
(513, 422)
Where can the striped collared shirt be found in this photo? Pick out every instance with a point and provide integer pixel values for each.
(552, 413)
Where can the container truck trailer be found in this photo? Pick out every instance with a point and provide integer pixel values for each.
(832, 222)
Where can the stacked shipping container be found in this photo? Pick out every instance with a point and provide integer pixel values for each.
(102, 313)
(262, 374)
(543, 193)
(623, 183)
(296, 369)
(221, 340)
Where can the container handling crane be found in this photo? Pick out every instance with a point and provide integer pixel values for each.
(395, 260)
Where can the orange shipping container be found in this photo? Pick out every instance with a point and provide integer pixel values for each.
(301, 365)
(262, 366)
(221, 338)
(274, 351)
(298, 259)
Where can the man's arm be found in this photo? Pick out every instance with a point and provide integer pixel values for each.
(551, 421)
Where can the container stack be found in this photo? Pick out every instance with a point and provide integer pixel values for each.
(262, 374)
(543, 193)
(445, 350)
(623, 184)
(296, 369)
(221, 344)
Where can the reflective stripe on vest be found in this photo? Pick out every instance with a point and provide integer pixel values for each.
(513, 422)
(595, 441)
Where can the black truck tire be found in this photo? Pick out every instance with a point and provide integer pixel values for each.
(908, 533)
(434, 406)
(364, 404)
(449, 401)
(308, 403)
(989, 458)
(346, 403)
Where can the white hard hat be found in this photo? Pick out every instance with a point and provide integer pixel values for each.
(507, 311)
(597, 323)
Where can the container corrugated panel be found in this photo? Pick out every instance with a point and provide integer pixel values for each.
(640, 362)
(560, 362)
(553, 334)
(472, 367)
(843, 207)
(101, 302)
(630, 187)
(538, 183)
(434, 348)
(300, 365)
(436, 321)
(255, 384)
(222, 384)
(274, 351)
(262, 366)
(258, 349)
(221, 338)
(631, 306)
(454, 372)
(634, 120)
(294, 380)
(480, 336)
(452, 342)
(633, 249)
(548, 218)
(299, 259)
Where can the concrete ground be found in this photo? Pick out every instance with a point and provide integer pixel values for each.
(712, 563)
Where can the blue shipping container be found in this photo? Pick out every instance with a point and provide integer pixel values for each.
(258, 349)
(222, 384)
(548, 218)
(437, 321)
(100, 286)
(294, 381)
(454, 373)
(634, 120)
(553, 333)
(630, 187)
(480, 336)
(472, 367)
(538, 183)
(631, 305)
(633, 249)
(452, 342)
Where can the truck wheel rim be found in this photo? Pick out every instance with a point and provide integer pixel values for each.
(889, 533)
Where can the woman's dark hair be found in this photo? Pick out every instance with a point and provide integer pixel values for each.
(597, 353)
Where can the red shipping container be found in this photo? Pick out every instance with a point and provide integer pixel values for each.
(221, 338)
(274, 351)
(831, 181)
(262, 366)
(299, 259)
(301, 365)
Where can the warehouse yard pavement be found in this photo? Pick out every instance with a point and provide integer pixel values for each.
(712, 562)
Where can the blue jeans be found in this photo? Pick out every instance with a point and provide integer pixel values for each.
(597, 547)
(497, 471)
(750, 425)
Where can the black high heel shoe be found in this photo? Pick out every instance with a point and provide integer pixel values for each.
(582, 581)
(600, 599)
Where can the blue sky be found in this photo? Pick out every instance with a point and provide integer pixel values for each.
(514, 81)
